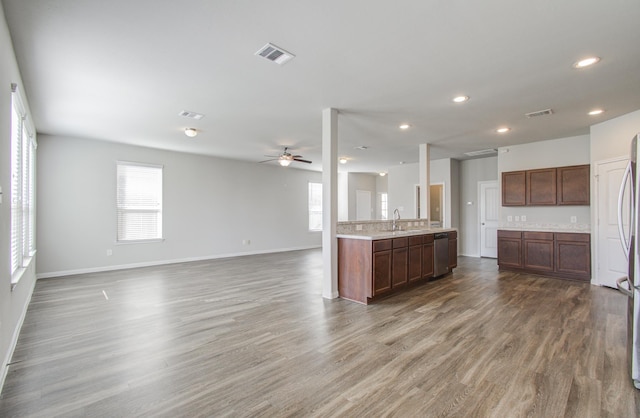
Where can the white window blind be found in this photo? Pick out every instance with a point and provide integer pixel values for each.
(23, 154)
(315, 206)
(139, 201)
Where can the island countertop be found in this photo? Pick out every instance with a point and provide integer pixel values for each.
(374, 235)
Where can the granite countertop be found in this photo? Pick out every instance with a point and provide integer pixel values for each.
(373, 235)
(581, 229)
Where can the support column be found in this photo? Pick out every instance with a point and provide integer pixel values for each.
(329, 203)
(425, 180)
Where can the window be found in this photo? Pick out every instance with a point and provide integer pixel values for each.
(384, 206)
(23, 155)
(315, 206)
(139, 202)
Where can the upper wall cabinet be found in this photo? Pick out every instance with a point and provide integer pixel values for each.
(573, 185)
(547, 186)
(514, 188)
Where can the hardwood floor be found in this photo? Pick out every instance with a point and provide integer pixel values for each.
(252, 336)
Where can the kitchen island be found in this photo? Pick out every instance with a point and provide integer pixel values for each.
(375, 264)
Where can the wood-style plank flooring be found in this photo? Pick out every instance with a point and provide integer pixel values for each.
(252, 336)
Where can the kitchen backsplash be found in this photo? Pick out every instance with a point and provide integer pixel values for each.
(349, 227)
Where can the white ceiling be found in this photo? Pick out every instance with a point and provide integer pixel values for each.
(122, 71)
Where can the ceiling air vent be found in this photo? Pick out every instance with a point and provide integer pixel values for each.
(481, 152)
(191, 115)
(539, 113)
(275, 54)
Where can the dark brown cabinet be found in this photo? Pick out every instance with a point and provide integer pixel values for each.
(538, 251)
(368, 268)
(453, 249)
(541, 187)
(400, 262)
(381, 267)
(510, 249)
(573, 185)
(563, 255)
(514, 188)
(573, 254)
(547, 187)
(415, 258)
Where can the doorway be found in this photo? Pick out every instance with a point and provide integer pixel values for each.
(436, 203)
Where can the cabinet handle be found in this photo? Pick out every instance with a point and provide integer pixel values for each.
(625, 178)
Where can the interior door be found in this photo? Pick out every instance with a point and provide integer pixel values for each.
(363, 205)
(489, 218)
(611, 263)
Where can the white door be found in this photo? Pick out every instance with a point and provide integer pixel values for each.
(363, 205)
(489, 218)
(611, 263)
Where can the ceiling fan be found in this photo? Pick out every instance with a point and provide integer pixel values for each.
(286, 158)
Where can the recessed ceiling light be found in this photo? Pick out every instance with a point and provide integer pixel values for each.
(383, 174)
(405, 126)
(190, 132)
(586, 62)
(343, 160)
(595, 112)
(460, 99)
(502, 130)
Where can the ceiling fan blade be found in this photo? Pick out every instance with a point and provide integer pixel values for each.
(301, 160)
(296, 156)
(266, 161)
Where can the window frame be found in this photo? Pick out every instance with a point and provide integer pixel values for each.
(158, 210)
(317, 209)
(23, 145)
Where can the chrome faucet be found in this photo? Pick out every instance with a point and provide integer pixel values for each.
(395, 227)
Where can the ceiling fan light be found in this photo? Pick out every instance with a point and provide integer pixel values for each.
(190, 132)
(343, 160)
(284, 162)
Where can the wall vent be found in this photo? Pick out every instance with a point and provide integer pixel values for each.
(275, 54)
(539, 113)
(481, 152)
(191, 115)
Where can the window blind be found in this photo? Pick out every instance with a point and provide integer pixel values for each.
(315, 206)
(139, 202)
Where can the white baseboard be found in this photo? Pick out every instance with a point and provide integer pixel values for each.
(164, 262)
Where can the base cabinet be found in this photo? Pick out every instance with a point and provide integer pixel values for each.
(368, 269)
(563, 255)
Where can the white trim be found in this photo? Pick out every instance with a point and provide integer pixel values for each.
(165, 262)
(4, 367)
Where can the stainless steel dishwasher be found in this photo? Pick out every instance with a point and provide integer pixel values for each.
(441, 253)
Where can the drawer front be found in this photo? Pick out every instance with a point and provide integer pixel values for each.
(453, 234)
(543, 236)
(509, 234)
(400, 242)
(428, 239)
(417, 240)
(381, 245)
(568, 236)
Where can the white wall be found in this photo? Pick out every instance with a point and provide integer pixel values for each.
(364, 182)
(543, 154)
(210, 206)
(402, 180)
(612, 139)
(472, 172)
(13, 303)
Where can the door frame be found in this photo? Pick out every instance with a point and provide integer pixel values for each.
(595, 227)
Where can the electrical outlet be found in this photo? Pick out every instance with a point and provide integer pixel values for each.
(517, 218)
(509, 218)
(246, 242)
(523, 218)
(574, 219)
(109, 252)
(358, 227)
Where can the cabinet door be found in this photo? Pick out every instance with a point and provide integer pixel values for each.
(381, 272)
(399, 266)
(427, 259)
(538, 251)
(510, 249)
(541, 187)
(513, 188)
(573, 255)
(415, 263)
(573, 185)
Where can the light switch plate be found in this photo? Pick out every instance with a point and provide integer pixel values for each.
(523, 218)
